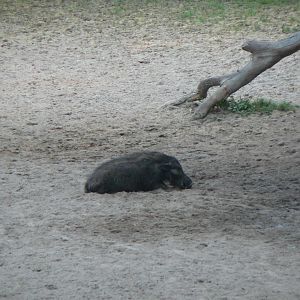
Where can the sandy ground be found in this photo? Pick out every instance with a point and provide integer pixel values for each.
(76, 89)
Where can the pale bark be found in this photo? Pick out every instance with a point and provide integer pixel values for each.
(264, 54)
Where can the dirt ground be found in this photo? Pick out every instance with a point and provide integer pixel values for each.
(77, 88)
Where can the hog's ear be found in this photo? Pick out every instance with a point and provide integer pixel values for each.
(166, 167)
(175, 171)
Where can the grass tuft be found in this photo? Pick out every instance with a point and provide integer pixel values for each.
(247, 106)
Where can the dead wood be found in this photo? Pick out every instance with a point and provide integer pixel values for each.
(264, 54)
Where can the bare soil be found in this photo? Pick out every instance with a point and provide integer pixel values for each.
(78, 87)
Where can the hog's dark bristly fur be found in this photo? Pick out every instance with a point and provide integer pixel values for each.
(140, 171)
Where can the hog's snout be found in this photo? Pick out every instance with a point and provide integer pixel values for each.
(187, 182)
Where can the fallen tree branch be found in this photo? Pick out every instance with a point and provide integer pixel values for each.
(264, 54)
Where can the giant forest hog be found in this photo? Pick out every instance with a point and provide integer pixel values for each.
(140, 171)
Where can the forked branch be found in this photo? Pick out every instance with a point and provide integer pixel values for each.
(264, 54)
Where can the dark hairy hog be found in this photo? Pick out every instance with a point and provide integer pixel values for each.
(140, 171)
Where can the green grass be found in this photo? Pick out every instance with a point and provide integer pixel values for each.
(290, 29)
(202, 11)
(247, 106)
(280, 16)
(283, 15)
